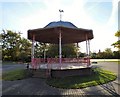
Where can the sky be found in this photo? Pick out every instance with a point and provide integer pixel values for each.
(99, 15)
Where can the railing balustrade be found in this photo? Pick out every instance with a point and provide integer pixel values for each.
(37, 61)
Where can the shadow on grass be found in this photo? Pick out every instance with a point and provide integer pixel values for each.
(110, 88)
(98, 77)
(109, 85)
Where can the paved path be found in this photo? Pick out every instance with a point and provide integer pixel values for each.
(37, 86)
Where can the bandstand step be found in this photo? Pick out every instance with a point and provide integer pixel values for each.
(41, 73)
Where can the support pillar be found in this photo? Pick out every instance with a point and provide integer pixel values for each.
(32, 51)
(89, 47)
(60, 50)
(77, 50)
(44, 56)
(86, 45)
(44, 52)
(87, 50)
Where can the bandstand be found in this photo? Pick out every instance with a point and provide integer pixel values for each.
(61, 32)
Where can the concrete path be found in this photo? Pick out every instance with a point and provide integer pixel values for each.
(37, 86)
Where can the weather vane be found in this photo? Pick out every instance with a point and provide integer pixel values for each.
(60, 14)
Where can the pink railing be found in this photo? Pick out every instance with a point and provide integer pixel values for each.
(37, 61)
(69, 60)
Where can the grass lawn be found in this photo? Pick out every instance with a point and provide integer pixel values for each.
(105, 60)
(16, 75)
(11, 63)
(99, 77)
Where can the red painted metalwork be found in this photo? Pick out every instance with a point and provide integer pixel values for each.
(37, 61)
(48, 67)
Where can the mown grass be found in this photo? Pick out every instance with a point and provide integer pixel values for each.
(8, 63)
(100, 76)
(16, 74)
(105, 60)
(117, 62)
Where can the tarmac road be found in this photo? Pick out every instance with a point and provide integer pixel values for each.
(111, 66)
(10, 67)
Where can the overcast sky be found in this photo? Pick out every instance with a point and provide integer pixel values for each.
(99, 15)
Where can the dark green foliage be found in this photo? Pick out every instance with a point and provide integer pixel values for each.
(15, 48)
(82, 55)
(68, 51)
(41, 49)
(107, 54)
(117, 43)
(116, 54)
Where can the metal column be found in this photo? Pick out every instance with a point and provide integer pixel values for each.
(77, 50)
(60, 49)
(86, 45)
(89, 47)
(87, 50)
(32, 51)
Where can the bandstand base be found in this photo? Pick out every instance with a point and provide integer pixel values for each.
(71, 72)
(73, 69)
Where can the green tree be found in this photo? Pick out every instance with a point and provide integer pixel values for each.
(82, 54)
(68, 50)
(101, 55)
(116, 54)
(53, 51)
(108, 53)
(24, 50)
(93, 55)
(41, 49)
(14, 47)
(117, 43)
(10, 45)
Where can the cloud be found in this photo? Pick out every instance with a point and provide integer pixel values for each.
(73, 12)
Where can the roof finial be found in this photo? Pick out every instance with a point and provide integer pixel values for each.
(60, 14)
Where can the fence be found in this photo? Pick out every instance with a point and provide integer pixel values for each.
(36, 62)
